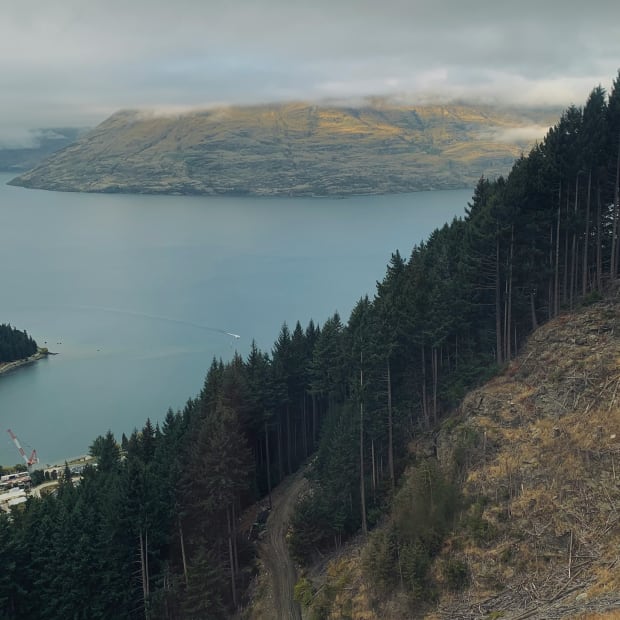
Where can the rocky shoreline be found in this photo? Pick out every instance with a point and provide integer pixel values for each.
(8, 366)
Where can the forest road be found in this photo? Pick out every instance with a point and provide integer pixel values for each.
(274, 551)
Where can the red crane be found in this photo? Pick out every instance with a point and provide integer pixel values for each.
(33, 460)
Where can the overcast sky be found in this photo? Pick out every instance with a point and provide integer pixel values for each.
(74, 62)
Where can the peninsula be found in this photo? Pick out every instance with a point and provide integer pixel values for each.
(8, 366)
(17, 348)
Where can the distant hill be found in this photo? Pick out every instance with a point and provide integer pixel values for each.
(39, 144)
(294, 149)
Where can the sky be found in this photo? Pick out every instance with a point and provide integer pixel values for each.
(75, 62)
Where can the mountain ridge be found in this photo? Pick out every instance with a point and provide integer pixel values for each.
(294, 149)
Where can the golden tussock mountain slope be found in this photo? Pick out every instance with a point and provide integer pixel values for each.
(294, 149)
(536, 452)
(540, 452)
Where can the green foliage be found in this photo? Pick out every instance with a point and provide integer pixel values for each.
(321, 607)
(37, 476)
(455, 573)
(316, 523)
(203, 597)
(480, 529)
(466, 443)
(8, 558)
(331, 512)
(425, 506)
(15, 344)
(380, 559)
(591, 298)
(415, 560)
(400, 553)
(304, 592)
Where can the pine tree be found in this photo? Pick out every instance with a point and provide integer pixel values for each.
(8, 560)
(613, 171)
(107, 453)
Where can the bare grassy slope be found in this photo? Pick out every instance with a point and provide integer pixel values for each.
(537, 450)
(293, 149)
(542, 470)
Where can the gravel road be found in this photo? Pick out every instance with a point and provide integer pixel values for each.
(274, 551)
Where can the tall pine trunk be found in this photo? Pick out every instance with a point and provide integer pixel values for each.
(613, 266)
(234, 536)
(183, 556)
(586, 242)
(508, 303)
(233, 585)
(435, 379)
(556, 282)
(373, 469)
(550, 283)
(573, 262)
(144, 572)
(424, 397)
(498, 304)
(565, 275)
(362, 483)
(268, 463)
(390, 427)
(305, 424)
(314, 420)
(288, 440)
(280, 459)
(599, 250)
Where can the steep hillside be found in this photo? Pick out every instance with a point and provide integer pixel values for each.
(536, 452)
(294, 149)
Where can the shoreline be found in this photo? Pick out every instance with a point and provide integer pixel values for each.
(8, 366)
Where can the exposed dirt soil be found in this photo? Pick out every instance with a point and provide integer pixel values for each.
(278, 577)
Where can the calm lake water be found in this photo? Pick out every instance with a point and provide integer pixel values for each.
(136, 293)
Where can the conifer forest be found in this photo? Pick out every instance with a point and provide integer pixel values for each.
(152, 531)
(15, 344)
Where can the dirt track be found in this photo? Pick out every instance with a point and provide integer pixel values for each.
(274, 551)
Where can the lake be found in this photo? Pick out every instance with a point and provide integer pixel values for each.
(136, 293)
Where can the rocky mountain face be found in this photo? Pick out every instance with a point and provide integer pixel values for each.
(293, 149)
(536, 454)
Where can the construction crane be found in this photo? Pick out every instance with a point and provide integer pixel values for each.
(33, 460)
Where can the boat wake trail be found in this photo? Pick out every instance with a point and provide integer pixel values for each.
(156, 317)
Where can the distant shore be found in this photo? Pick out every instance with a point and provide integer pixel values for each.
(8, 366)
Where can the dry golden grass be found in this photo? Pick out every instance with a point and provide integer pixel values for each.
(546, 459)
(464, 151)
(550, 465)
(610, 615)
(352, 594)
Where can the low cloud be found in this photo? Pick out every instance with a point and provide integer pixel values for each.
(147, 112)
(516, 135)
(18, 138)
(73, 62)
